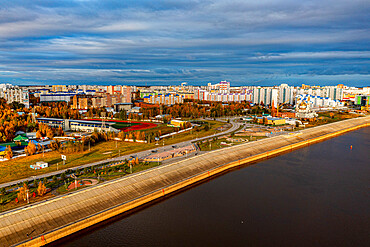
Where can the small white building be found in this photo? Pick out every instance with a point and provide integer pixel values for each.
(39, 165)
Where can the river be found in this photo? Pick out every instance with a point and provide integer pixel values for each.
(315, 196)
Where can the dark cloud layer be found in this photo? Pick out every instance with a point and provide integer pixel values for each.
(166, 42)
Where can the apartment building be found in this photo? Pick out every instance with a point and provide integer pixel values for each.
(15, 94)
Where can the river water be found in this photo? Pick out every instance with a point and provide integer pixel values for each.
(314, 196)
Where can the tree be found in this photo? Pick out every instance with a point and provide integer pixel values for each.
(265, 121)
(38, 134)
(31, 148)
(22, 194)
(9, 153)
(63, 176)
(49, 134)
(60, 131)
(121, 135)
(122, 115)
(41, 189)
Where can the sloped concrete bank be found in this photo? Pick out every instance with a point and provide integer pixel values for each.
(48, 221)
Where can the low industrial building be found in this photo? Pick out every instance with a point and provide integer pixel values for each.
(271, 120)
(122, 106)
(177, 123)
(78, 125)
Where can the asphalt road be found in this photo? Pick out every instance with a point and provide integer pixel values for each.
(160, 148)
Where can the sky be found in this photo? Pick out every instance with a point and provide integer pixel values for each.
(142, 42)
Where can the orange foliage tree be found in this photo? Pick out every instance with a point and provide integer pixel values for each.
(41, 189)
(9, 153)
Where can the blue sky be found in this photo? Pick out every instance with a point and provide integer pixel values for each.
(261, 42)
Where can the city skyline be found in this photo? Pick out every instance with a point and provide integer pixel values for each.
(166, 43)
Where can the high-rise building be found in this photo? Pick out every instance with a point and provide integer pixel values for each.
(265, 95)
(164, 99)
(15, 94)
(334, 93)
(286, 94)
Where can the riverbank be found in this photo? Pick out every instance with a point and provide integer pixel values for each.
(45, 222)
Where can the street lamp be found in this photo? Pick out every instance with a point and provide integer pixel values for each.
(27, 190)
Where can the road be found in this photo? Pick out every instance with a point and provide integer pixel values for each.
(141, 154)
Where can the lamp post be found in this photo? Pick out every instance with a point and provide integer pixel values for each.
(28, 201)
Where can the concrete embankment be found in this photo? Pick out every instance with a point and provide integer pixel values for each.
(48, 221)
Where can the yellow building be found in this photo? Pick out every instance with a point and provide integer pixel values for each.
(271, 120)
(59, 88)
(177, 123)
(187, 95)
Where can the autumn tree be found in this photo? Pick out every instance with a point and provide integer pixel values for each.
(9, 153)
(38, 134)
(49, 133)
(264, 120)
(121, 135)
(22, 194)
(41, 189)
(31, 148)
(60, 131)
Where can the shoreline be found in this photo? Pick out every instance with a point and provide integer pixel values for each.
(151, 185)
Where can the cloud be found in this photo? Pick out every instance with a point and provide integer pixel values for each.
(111, 40)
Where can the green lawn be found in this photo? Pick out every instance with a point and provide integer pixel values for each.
(120, 125)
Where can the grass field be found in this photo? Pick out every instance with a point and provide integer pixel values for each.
(121, 125)
(19, 168)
